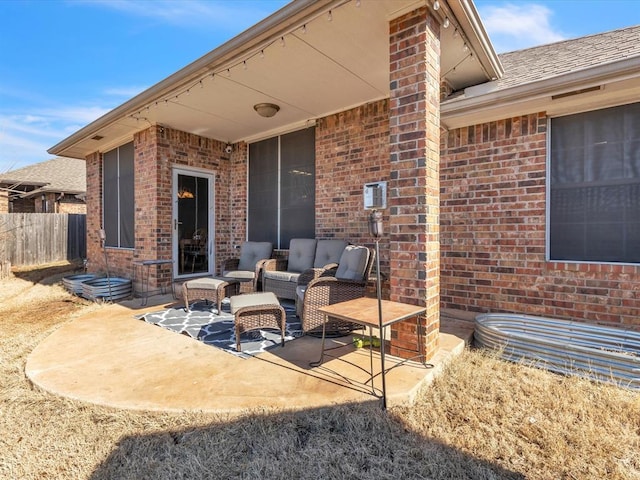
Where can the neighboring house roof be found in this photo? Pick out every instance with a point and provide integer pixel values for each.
(60, 175)
(559, 78)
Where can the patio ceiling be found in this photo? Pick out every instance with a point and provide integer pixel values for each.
(311, 58)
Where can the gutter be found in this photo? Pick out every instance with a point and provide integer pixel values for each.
(467, 15)
(486, 97)
(268, 29)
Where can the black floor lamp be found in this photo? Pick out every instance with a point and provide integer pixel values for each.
(375, 229)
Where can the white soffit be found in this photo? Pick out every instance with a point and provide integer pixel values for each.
(327, 66)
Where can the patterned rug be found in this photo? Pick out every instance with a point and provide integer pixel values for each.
(205, 324)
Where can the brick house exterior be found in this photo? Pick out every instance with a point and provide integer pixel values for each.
(493, 222)
(496, 177)
(466, 214)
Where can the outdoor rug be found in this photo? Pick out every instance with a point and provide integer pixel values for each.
(203, 323)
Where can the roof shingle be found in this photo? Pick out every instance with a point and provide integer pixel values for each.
(60, 174)
(546, 61)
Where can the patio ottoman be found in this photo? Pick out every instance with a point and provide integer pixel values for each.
(210, 289)
(253, 311)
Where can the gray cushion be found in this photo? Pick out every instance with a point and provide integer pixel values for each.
(205, 283)
(328, 251)
(240, 274)
(281, 276)
(353, 263)
(251, 252)
(302, 251)
(252, 299)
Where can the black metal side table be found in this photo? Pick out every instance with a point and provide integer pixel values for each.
(145, 265)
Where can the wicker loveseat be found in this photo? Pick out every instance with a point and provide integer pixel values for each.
(308, 259)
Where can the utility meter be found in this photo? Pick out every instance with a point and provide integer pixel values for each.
(375, 196)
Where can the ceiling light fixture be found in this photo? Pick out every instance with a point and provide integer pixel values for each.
(266, 110)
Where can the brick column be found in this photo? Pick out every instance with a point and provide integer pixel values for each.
(94, 212)
(153, 205)
(414, 197)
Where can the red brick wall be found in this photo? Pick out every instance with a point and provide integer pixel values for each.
(352, 148)
(414, 186)
(232, 222)
(157, 150)
(71, 205)
(180, 149)
(493, 233)
(94, 214)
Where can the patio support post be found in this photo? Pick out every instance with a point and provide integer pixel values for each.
(414, 197)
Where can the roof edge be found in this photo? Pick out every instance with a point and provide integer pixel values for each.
(618, 70)
(469, 19)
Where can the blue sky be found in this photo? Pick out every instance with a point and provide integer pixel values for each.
(65, 63)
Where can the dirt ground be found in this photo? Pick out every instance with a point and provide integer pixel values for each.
(22, 297)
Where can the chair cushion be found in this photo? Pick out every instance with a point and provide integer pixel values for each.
(302, 251)
(251, 252)
(353, 263)
(281, 276)
(252, 299)
(205, 283)
(240, 274)
(328, 251)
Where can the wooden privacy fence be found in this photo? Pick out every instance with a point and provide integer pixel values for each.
(38, 238)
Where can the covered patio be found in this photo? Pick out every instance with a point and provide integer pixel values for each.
(356, 87)
(113, 359)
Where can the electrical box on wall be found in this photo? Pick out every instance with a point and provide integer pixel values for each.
(375, 196)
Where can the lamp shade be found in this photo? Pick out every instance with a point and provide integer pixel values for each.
(266, 109)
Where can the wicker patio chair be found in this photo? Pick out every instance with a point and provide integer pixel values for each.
(247, 268)
(349, 282)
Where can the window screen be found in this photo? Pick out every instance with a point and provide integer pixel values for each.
(595, 186)
(118, 198)
(282, 188)
(263, 191)
(297, 186)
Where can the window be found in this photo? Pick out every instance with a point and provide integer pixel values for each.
(118, 201)
(594, 208)
(282, 188)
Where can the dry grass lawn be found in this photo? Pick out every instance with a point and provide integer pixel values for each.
(483, 419)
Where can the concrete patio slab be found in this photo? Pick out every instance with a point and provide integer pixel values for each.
(110, 358)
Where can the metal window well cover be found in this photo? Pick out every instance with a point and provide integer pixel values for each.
(113, 288)
(595, 352)
(73, 283)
